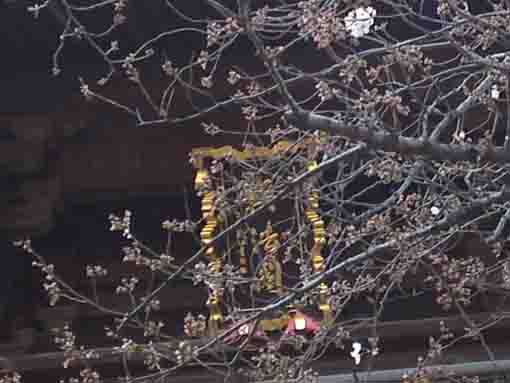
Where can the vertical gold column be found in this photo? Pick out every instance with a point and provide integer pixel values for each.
(203, 184)
(271, 270)
(319, 240)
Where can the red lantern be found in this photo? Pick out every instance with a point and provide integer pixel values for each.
(300, 323)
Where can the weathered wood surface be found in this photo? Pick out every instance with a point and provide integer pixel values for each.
(94, 166)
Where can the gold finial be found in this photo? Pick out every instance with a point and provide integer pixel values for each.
(215, 315)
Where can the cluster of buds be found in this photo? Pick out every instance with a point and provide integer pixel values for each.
(50, 284)
(443, 8)
(127, 285)
(341, 336)
(350, 67)
(249, 112)
(25, 244)
(324, 91)
(111, 333)
(65, 338)
(152, 329)
(455, 279)
(207, 81)
(233, 77)
(166, 260)
(119, 16)
(200, 273)
(409, 57)
(388, 170)
(505, 274)
(210, 129)
(216, 32)
(168, 68)
(394, 102)
(408, 202)
(377, 223)
(129, 68)
(260, 17)
(310, 376)
(96, 271)
(178, 226)
(267, 361)
(36, 9)
(202, 59)
(131, 253)
(121, 224)
(86, 91)
(54, 292)
(321, 23)
(152, 358)
(89, 375)
(153, 305)
(185, 352)
(134, 254)
(195, 326)
(446, 333)
(10, 377)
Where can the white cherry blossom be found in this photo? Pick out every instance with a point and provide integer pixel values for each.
(355, 353)
(495, 92)
(359, 21)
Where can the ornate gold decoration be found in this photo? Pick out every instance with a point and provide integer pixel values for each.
(203, 185)
(252, 152)
(211, 222)
(271, 270)
(319, 240)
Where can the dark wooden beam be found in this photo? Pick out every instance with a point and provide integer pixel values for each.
(399, 331)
